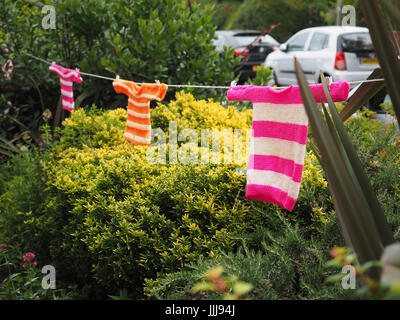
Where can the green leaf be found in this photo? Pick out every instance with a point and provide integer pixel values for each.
(391, 11)
(229, 296)
(203, 286)
(385, 50)
(8, 145)
(335, 278)
(358, 232)
(363, 184)
(30, 281)
(241, 288)
(14, 275)
(371, 264)
(6, 264)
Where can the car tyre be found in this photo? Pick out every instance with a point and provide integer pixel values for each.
(274, 80)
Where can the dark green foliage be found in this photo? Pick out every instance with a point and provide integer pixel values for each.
(279, 261)
(141, 41)
(292, 16)
(380, 156)
(22, 195)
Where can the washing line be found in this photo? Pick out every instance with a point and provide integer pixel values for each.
(184, 85)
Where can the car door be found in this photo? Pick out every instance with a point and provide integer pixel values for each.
(316, 56)
(294, 47)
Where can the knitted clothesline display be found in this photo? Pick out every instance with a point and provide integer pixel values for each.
(279, 129)
(187, 85)
(279, 138)
(138, 125)
(67, 77)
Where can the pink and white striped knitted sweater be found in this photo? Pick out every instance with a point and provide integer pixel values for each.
(67, 77)
(279, 138)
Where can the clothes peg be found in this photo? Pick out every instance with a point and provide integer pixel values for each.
(329, 83)
(158, 82)
(117, 77)
(233, 83)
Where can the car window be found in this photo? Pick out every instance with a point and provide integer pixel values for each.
(355, 42)
(230, 41)
(318, 41)
(297, 43)
(245, 40)
(267, 38)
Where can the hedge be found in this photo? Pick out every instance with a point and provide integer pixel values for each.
(106, 218)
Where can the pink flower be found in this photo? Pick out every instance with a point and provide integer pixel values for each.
(29, 256)
(7, 68)
(3, 245)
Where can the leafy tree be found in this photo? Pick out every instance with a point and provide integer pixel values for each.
(293, 15)
(167, 40)
(141, 41)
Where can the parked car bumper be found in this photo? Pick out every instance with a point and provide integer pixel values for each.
(350, 76)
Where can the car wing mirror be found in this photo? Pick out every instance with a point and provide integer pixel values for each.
(283, 47)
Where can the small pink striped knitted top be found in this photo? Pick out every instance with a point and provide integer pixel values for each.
(67, 77)
(278, 141)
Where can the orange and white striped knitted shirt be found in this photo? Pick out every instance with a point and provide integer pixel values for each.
(138, 125)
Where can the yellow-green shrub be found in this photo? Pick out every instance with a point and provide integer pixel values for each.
(94, 128)
(199, 114)
(131, 219)
(111, 219)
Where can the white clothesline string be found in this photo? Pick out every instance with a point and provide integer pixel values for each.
(184, 85)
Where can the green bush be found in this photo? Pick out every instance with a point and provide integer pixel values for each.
(95, 207)
(284, 260)
(199, 114)
(22, 194)
(378, 147)
(134, 219)
(280, 262)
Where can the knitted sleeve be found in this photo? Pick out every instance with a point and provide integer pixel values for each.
(121, 86)
(161, 91)
(338, 90)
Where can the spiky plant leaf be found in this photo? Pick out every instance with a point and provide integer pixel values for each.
(358, 228)
(385, 50)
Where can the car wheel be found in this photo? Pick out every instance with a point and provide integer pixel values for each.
(274, 80)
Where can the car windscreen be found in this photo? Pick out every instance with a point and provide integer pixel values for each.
(355, 43)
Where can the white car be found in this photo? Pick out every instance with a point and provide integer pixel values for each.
(343, 53)
(239, 39)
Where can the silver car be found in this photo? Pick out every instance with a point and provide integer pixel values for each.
(343, 53)
(239, 40)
